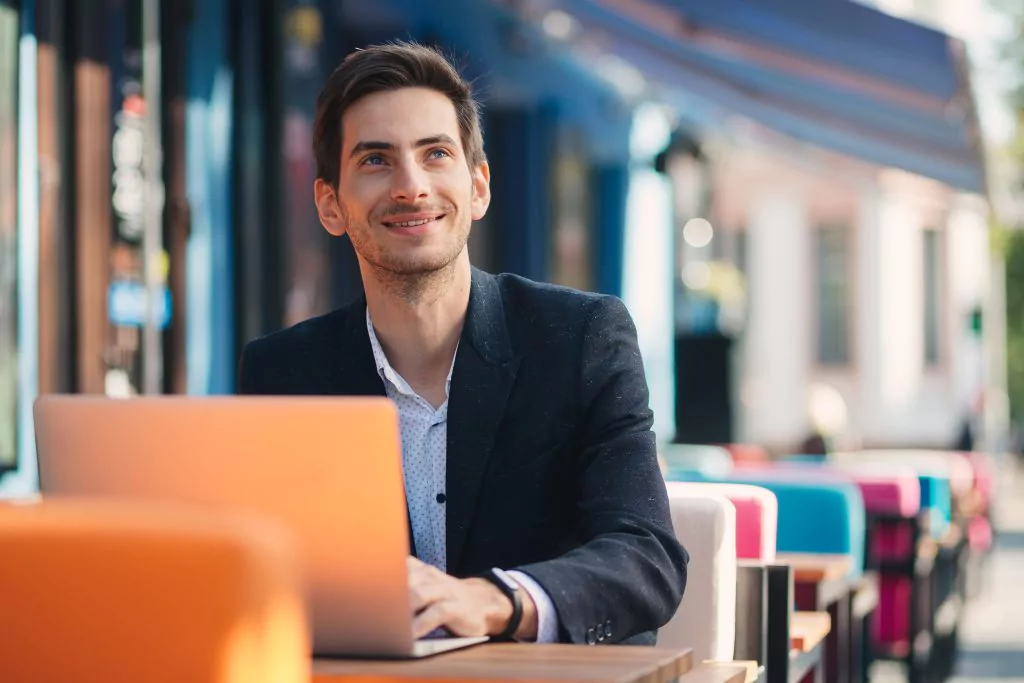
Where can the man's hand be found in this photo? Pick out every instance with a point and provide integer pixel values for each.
(466, 607)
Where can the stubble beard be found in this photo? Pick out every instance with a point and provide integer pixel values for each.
(414, 281)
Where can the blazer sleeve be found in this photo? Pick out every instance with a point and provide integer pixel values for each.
(628, 577)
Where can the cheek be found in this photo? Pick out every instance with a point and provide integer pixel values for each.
(345, 211)
(358, 211)
(364, 193)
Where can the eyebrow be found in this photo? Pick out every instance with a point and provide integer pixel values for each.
(368, 145)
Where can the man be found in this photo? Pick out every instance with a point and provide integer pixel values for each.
(526, 431)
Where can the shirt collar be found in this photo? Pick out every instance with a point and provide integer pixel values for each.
(388, 373)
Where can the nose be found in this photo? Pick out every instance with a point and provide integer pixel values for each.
(409, 183)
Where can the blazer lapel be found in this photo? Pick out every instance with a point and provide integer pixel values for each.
(354, 371)
(484, 373)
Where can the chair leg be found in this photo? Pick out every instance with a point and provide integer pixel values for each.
(780, 592)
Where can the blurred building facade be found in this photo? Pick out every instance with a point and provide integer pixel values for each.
(832, 262)
(782, 223)
(868, 288)
(984, 28)
(877, 298)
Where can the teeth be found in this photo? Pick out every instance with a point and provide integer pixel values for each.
(412, 224)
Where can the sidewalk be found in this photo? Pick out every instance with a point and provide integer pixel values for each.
(992, 634)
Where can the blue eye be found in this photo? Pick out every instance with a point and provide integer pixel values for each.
(372, 160)
(442, 152)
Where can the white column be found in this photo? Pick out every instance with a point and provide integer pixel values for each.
(968, 286)
(864, 408)
(778, 338)
(900, 319)
(648, 266)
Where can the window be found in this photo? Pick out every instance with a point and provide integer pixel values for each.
(8, 234)
(931, 255)
(833, 289)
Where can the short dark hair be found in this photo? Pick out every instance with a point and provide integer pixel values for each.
(387, 67)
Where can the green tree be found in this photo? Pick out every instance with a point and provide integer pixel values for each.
(1015, 323)
(1010, 238)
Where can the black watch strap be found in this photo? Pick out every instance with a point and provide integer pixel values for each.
(507, 585)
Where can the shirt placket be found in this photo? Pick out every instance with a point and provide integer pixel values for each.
(438, 471)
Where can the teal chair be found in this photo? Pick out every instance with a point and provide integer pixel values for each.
(697, 459)
(819, 512)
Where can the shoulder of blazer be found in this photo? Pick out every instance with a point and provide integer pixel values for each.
(310, 337)
(540, 311)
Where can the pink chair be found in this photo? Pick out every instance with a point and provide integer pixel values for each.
(889, 490)
(979, 529)
(984, 467)
(892, 501)
(757, 516)
(954, 466)
(892, 497)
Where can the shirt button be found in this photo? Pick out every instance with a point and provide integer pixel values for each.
(441, 498)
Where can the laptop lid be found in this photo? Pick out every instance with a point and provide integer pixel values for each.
(329, 468)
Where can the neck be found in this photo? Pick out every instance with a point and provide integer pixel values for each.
(419, 322)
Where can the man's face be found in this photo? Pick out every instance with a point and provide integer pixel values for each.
(406, 195)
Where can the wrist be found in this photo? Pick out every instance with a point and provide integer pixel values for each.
(500, 611)
(529, 625)
(497, 608)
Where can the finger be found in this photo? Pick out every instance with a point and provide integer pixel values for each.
(435, 616)
(423, 592)
(414, 564)
(427, 585)
(422, 573)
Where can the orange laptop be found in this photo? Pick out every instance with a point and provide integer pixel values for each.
(330, 468)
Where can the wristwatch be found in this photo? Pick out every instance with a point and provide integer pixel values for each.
(507, 585)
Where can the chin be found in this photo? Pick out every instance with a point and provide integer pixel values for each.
(413, 266)
(419, 260)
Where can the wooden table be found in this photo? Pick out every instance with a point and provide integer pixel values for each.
(745, 671)
(525, 663)
(808, 629)
(817, 567)
(722, 672)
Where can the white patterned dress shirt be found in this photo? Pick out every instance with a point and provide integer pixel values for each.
(424, 461)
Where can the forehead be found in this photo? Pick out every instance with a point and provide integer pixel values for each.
(399, 117)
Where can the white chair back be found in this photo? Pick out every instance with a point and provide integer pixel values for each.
(705, 523)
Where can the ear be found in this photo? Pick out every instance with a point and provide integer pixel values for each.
(481, 191)
(328, 208)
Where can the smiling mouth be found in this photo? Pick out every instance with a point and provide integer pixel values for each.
(414, 223)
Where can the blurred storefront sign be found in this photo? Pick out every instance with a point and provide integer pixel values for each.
(127, 307)
(137, 260)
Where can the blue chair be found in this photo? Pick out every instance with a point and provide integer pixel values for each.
(818, 512)
(936, 503)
